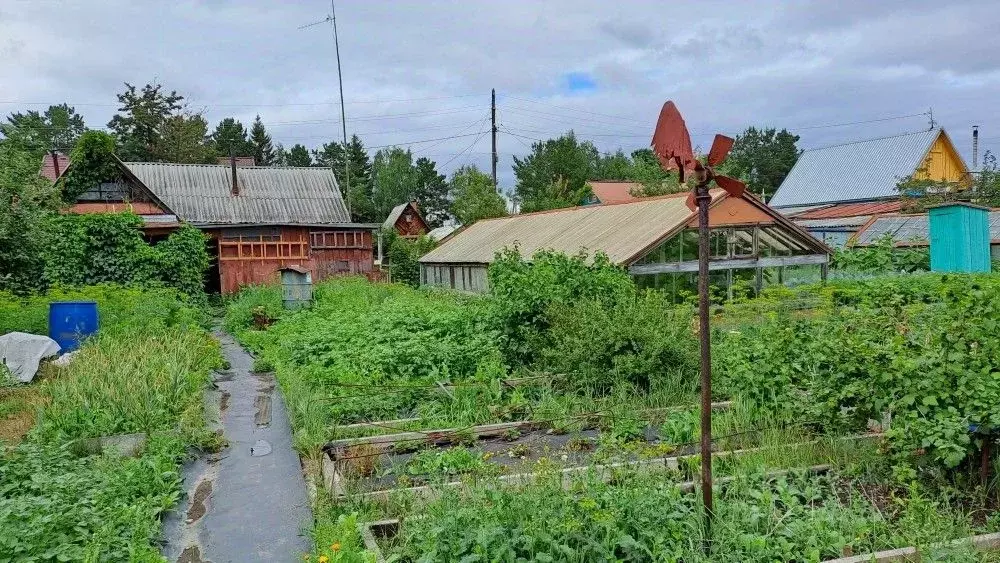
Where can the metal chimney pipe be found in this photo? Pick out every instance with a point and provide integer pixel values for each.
(235, 189)
(975, 147)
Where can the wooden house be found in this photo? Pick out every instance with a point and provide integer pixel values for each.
(259, 219)
(407, 220)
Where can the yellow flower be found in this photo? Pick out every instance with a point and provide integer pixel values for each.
(323, 559)
(335, 547)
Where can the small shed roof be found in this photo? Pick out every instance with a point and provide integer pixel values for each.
(615, 192)
(856, 171)
(622, 231)
(911, 229)
(201, 193)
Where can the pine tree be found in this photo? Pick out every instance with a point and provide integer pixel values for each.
(432, 193)
(298, 155)
(230, 137)
(260, 142)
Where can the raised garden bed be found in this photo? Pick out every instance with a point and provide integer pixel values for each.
(510, 453)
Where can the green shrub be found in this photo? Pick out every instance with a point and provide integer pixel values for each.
(524, 290)
(99, 248)
(881, 258)
(256, 301)
(403, 255)
(643, 341)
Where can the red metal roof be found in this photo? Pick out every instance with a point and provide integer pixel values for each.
(48, 166)
(615, 192)
(852, 210)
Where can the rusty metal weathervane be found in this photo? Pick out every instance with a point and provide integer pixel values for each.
(672, 146)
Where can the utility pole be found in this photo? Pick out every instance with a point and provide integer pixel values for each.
(332, 19)
(493, 118)
(930, 114)
(343, 117)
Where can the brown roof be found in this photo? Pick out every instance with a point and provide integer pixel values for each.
(49, 167)
(851, 210)
(615, 192)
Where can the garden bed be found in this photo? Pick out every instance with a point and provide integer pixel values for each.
(804, 499)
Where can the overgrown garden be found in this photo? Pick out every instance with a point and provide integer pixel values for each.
(64, 496)
(876, 395)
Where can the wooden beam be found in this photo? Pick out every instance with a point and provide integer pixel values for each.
(733, 264)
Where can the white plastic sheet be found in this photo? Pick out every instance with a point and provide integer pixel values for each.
(22, 352)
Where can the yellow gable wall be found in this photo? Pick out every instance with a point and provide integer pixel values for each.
(942, 163)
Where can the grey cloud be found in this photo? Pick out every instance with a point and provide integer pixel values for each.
(727, 64)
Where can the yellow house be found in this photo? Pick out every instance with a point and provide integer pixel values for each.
(869, 170)
(942, 163)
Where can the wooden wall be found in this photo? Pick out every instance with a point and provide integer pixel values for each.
(324, 252)
(462, 277)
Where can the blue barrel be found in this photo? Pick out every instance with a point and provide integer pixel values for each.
(72, 321)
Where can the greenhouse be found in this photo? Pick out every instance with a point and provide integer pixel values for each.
(656, 238)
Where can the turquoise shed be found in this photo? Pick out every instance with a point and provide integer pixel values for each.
(960, 238)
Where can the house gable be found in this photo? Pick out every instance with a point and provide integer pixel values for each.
(942, 163)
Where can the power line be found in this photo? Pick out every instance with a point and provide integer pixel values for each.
(421, 141)
(450, 160)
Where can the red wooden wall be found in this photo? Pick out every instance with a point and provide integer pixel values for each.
(324, 252)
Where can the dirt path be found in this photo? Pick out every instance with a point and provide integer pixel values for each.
(249, 502)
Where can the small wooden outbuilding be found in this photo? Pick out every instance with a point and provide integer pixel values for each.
(407, 220)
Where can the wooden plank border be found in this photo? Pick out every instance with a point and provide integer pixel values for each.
(336, 481)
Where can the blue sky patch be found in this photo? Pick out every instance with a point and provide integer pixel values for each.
(580, 83)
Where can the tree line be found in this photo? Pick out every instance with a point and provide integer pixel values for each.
(154, 124)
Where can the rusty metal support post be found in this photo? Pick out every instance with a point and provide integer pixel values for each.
(703, 200)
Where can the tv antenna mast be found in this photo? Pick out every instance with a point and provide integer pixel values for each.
(331, 18)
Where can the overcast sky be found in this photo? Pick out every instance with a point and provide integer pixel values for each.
(421, 70)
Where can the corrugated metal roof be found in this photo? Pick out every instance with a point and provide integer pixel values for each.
(614, 192)
(856, 221)
(201, 193)
(852, 210)
(858, 171)
(912, 229)
(619, 230)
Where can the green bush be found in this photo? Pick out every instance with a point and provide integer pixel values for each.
(792, 518)
(87, 249)
(403, 255)
(642, 341)
(25, 200)
(881, 258)
(522, 292)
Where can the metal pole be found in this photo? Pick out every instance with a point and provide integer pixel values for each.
(704, 199)
(493, 118)
(343, 118)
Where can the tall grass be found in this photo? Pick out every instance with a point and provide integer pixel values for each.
(144, 372)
